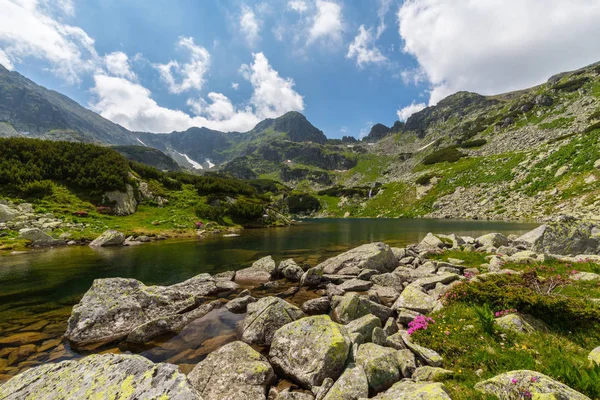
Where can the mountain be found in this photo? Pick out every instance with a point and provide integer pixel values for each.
(149, 156)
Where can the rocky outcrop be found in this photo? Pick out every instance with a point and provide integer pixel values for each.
(115, 307)
(122, 203)
(514, 384)
(565, 236)
(38, 237)
(265, 317)
(377, 256)
(310, 350)
(262, 270)
(235, 371)
(7, 213)
(108, 238)
(107, 376)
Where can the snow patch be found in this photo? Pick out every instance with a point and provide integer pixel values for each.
(210, 165)
(143, 144)
(195, 165)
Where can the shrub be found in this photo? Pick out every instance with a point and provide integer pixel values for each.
(446, 154)
(473, 143)
(300, 203)
(209, 212)
(573, 85)
(217, 184)
(246, 210)
(424, 179)
(37, 189)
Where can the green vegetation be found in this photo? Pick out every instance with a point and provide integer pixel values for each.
(447, 154)
(302, 203)
(564, 122)
(424, 179)
(472, 143)
(571, 85)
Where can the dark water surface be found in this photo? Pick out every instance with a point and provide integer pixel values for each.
(38, 289)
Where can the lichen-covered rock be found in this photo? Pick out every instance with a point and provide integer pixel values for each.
(386, 295)
(409, 390)
(108, 238)
(262, 270)
(380, 365)
(565, 236)
(427, 373)
(407, 362)
(504, 387)
(585, 276)
(352, 306)
(107, 376)
(290, 270)
(312, 277)
(355, 285)
(234, 372)
(594, 355)
(515, 323)
(431, 242)
(7, 213)
(310, 350)
(266, 316)
(124, 203)
(429, 356)
(493, 240)
(39, 237)
(390, 279)
(287, 395)
(114, 307)
(413, 298)
(240, 304)
(316, 306)
(377, 256)
(352, 385)
(395, 341)
(364, 326)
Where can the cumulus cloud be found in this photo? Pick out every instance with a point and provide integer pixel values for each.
(181, 77)
(407, 111)
(5, 61)
(117, 63)
(299, 6)
(29, 29)
(496, 46)
(131, 105)
(249, 25)
(363, 49)
(327, 23)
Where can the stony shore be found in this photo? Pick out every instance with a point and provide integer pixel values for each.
(346, 337)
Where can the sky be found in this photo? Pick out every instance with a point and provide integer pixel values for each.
(167, 65)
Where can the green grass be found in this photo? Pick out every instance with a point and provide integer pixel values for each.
(370, 167)
(470, 258)
(558, 123)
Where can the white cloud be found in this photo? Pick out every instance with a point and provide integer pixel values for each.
(273, 95)
(5, 61)
(384, 7)
(495, 46)
(407, 111)
(363, 49)
(249, 25)
(299, 6)
(218, 109)
(235, 85)
(28, 29)
(189, 75)
(117, 63)
(327, 23)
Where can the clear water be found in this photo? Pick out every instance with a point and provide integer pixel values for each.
(38, 289)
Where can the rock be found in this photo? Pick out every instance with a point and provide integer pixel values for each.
(564, 236)
(107, 376)
(378, 336)
(355, 285)
(395, 341)
(431, 242)
(390, 327)
(427, 373)
(405, 316)
(429, 356)
(38, 237)
(7, 213)
(377, 256)
(380, 365)
(386, 295)
(312, 277)
(226, 276)
(316, 306)
(310, 350)
(262, 270)
(409, 390)
(390, 279)
(352, 306)
(431, 282)
(266, 316)
(108, 238)
(352, 385)
(364, 326)
(287, 395)
(235, 371)
(594, 355)
(290, 270)
(515, 323)
(543, 100)
(114, 307)
(367, 274)
(239, 305)
(407, 362)
(321, 391)
(585, 276)
(534, 382)
(399, 252)
(124, 202)
(493, 240)
(414, 299)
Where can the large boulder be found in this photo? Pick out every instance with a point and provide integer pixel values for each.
(262, 270)
(380, 365)
(109, 238)
(428, 356)
(377, 256)
(266, 316)
(493, 240)
(114, 307)
(364, 326)
(415, 299)
(352, 385)
(565, 236)
(290, 270)
(431, 242)
(512, 384)
(409, 390)
(310, 350)
(353, 306)
(107, 376)
(235, 371)
(38, 237)
(122, 203)
(7, 213)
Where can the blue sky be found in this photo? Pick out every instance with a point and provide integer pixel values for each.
(167, 65)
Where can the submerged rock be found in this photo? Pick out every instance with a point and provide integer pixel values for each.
(235, 371)
(509, 385)
(310, 350)
(409, 390)
(114, 307)
(265, 317)
(377, 256)
(108, 238)
(107, 376)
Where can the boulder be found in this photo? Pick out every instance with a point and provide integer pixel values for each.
(266, 316)
(352, 385)
(428, 356)
(316, 306)
(515, 323)
(407, 362)
(386, 295)
(594, 355)
(239, 305)
(427, 373)
(114, 307)
(312, 277)
(123, 203)
(585, 276)
(431, 242)
(414, 299)
(262, 270)
(390, 279)
(290, 270)
(364, 326)
(235, 371)
(380, 365)
(38, 237)
(511, 384)
(107, 376)
(310, 350)
(287, 395)
(352, 306)
(355, 285)
(431, 282)
(493, 240)
(409, 390)
(565, 236)
(377, 256)
(108, 238)
(7, 213)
